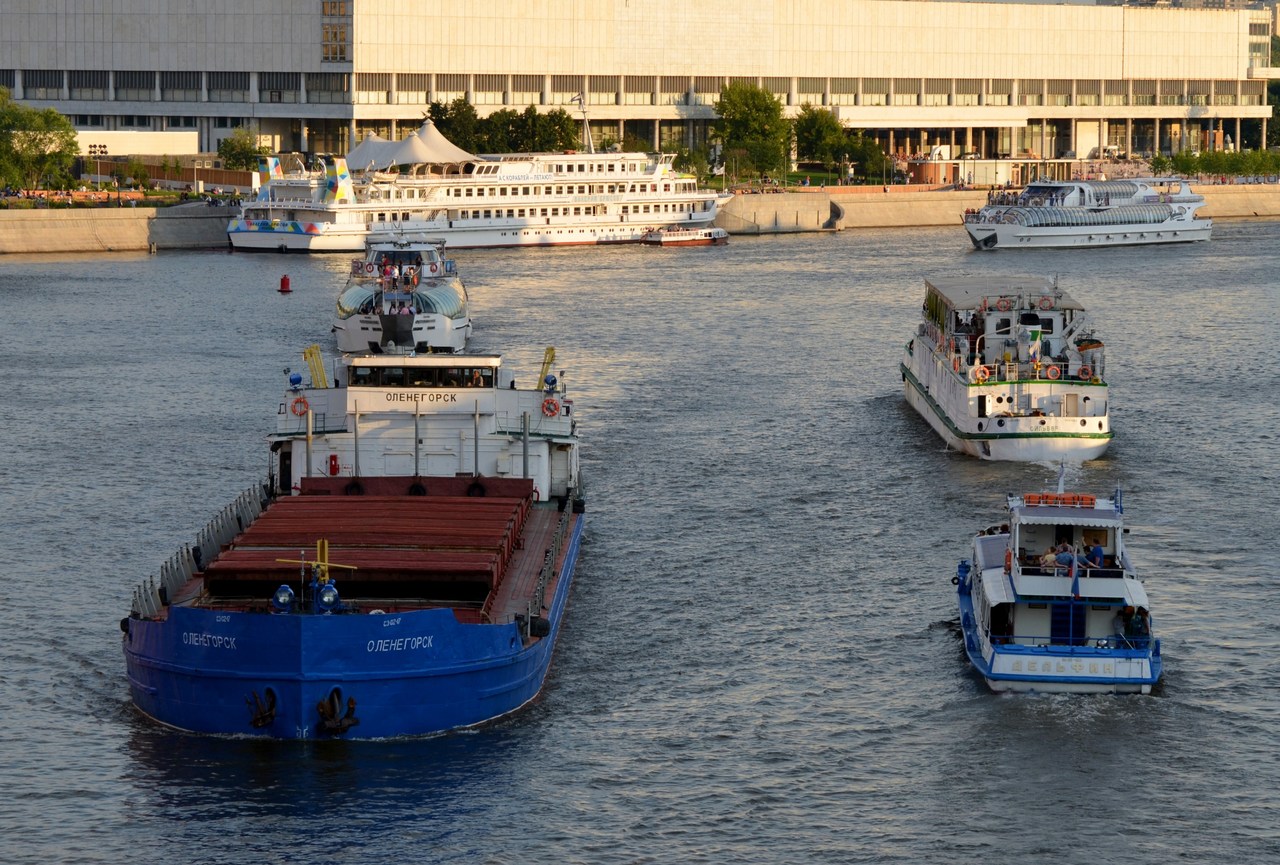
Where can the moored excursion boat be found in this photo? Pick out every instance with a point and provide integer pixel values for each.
(523, 199)
(1074, 619)
(1008, 369)
(404, 295)
(711, 236)
(404, 571)
(1071, 213)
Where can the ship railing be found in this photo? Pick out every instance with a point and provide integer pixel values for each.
(289, 424)
(510, 423)
(539, 598)
(156, 592)
(1109, 644)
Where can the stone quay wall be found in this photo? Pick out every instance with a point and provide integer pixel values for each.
(111, 229)
(835, 208)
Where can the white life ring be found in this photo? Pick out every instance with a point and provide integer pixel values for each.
(1004, 304)
(1046, 302)
(368, 267)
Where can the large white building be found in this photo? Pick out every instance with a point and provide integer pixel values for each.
(1030, 80)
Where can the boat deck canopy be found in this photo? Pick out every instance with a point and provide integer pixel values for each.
(970, 292)
(1042, 516)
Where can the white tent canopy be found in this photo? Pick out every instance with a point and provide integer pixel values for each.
(359, 156)
(420, 147)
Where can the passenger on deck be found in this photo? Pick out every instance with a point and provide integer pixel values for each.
(1095, 557)
(1120, 626)
(1049, 560)
(1139, 631)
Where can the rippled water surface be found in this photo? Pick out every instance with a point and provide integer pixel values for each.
(760, 661)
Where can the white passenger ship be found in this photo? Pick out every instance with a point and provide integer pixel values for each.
(1090, 213)
(404, 295)
(544, 199)
(1008, 370)
(1050, 601)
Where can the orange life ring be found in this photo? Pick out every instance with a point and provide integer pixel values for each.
(551, 407)
(1004, 304)
(1052, 372)
(981, 373)
(434, 267)
(1046, 302)
(299, 406)
(1084, 372)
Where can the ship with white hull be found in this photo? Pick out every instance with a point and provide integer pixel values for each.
(1008, 369)
(469, 201)
(404, 295)
(1076, 213)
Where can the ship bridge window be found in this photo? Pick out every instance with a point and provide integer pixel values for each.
(422, 377)
(1047, 325)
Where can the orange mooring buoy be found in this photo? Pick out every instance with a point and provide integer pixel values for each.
(284, 284)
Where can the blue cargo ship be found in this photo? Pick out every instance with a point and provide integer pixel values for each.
(404, 570)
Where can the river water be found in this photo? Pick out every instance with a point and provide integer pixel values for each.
(760, 662)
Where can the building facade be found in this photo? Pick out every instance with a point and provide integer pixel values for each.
(992, 79)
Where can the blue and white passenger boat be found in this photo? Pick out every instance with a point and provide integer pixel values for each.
(403, 295)
(1050, 601)
(1073, 213)
(404, 571)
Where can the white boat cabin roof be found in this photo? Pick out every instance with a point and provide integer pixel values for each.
(970, 292)
(444, 361)
(1064, 509)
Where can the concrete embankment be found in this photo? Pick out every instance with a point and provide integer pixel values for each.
(835, 208)
(111, 229)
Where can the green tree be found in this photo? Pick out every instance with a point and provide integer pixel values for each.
(559, 131)
(36, 147)
(696, 162)
(530, 132)
(458, 122)
(497, 131)
(750, 122)
(138, 173)
(240, 149)
(867, 157)
(1161, 165)
(819, 136)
